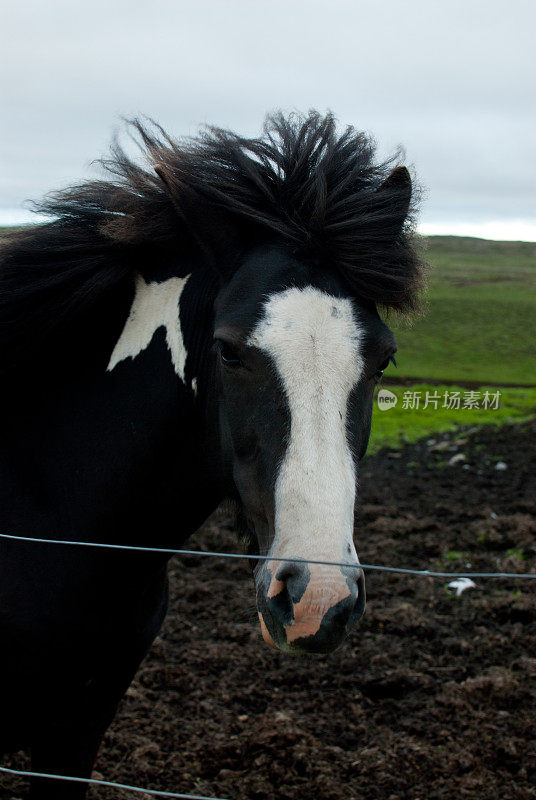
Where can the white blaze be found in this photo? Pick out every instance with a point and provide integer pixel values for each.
(155, 305)
(314, 340)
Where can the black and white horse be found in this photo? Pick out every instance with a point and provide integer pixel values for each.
(198, 329)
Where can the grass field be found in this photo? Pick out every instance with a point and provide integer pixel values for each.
(479, 324)
(399, 425)
(479, 327)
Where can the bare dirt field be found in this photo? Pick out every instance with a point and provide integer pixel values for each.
(432, 696)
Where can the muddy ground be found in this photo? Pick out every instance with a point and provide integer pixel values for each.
(432, 696)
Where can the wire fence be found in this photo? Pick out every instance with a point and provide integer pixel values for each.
(425, 573)
(214, 554)
(111, 784)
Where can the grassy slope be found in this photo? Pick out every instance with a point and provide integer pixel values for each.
(479, 324)
(479, 327)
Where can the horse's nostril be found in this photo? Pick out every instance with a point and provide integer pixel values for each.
(286, 571)
(279, 603)
(294, 578)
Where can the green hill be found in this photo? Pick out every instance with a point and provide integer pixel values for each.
(479, 324)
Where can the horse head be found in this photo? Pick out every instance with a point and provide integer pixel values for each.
(299, 358)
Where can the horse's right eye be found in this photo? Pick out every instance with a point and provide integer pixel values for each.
(228, 356)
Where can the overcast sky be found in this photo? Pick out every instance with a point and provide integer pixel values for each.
(450, 80)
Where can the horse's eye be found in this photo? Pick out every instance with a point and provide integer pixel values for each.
(228, 356)
(381, 369)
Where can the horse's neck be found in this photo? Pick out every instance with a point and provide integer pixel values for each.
(123, 451)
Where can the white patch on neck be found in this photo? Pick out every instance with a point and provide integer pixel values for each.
(155, 305)
(314, 340)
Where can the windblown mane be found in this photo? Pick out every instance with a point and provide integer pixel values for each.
(302, 182)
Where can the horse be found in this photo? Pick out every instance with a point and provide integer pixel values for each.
(199, 326)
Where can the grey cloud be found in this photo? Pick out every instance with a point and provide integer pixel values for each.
(453, 82)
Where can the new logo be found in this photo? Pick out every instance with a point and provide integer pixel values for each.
(386, 399)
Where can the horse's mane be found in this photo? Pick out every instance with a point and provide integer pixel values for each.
(302, 183)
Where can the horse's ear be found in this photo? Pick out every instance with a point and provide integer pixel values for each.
(395, 195)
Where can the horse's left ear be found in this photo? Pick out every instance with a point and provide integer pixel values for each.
(395, 195)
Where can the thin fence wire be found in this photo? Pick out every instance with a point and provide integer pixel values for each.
(112, 784)
(425, 573)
